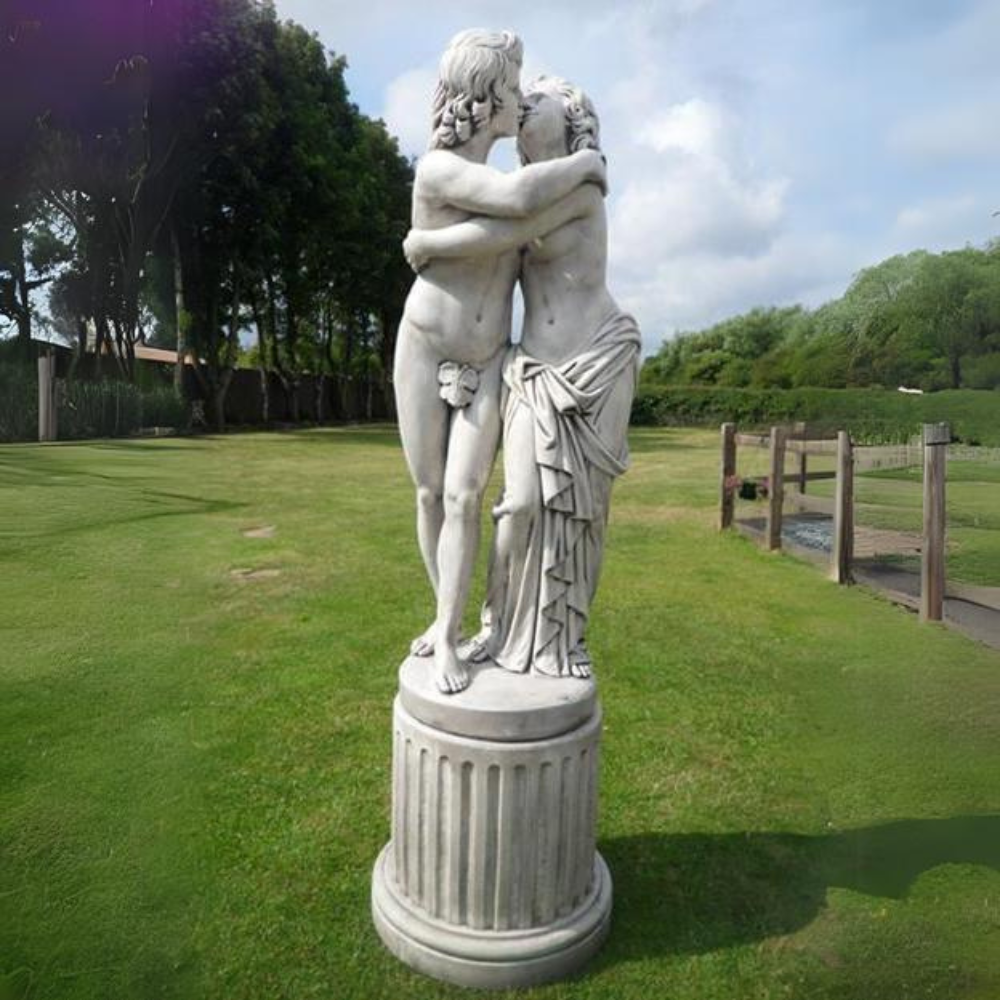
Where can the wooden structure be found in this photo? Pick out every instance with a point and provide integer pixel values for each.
(932, 579)
(841, 508)
(843, 511)
(47, 427)
(727, 497)
(776, 487)
(850, 541)
(780, 443)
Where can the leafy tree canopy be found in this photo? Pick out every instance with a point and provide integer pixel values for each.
(194, 172)
(931, 321)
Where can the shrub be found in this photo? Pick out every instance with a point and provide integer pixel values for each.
(871, 415)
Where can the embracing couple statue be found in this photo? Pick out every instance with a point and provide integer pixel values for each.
(560, 398)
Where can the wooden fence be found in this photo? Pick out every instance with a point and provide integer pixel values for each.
(781, 442)
(310, 398)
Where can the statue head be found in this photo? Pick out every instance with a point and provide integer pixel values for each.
(557, 119)
(478, 87)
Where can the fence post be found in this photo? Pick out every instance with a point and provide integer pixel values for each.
(46, 397)
(776, 488)
(932, 572)
(726, 498)
(801, 432)
(843, 511)
(58, 387)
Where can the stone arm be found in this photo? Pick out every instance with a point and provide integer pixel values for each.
(475, 187)
(486, 237)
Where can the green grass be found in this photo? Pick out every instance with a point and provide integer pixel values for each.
(893, 499)
(799, 791)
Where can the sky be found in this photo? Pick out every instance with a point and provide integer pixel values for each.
(759, 153)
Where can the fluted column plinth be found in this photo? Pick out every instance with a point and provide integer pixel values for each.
(491, 877)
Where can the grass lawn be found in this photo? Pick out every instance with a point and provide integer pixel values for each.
(894, 499)
(800, 788)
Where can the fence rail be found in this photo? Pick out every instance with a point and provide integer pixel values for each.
(932, 453)
(869, 458)
(813, 504)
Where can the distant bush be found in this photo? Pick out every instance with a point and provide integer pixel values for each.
(871, 415)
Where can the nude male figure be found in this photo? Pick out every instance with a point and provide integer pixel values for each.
(456, 323)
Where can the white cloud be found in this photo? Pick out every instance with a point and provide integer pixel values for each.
(969, 46)
(694, 127)
(695, 225)
(966, 132)
(407, 109)
(689, 291)
(695, 206)
(944, 223)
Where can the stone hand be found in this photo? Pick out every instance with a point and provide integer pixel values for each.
(596, 169)
(415, 251)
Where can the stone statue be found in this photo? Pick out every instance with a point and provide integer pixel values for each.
(491, 876)
(456, 324)
(568, 394)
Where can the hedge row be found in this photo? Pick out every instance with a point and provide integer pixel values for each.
(109, 408)
(115, 409)
(873, 416)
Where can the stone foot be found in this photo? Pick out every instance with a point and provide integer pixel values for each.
(580, 664)
(475, 649)
(450, 673)
(423, 645)
(500, 509)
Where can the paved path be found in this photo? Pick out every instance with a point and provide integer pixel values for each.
(974, 620)
(809, 535)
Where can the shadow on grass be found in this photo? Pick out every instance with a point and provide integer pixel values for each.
(694, 893)
(382, 435)
(190, 443)
(167, 505)
(50, 466)
(56, 475)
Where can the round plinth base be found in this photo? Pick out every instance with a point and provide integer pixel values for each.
(489, 958)
(497, 705)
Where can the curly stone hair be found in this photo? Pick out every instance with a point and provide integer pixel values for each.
(472, 68)
(583, 127)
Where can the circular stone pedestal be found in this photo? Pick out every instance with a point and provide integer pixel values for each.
(491, 877)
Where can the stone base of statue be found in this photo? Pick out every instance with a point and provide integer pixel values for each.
(491, 877)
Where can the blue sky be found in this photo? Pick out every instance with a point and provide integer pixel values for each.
(759, 152)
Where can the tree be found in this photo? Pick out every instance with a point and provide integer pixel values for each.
(924, 319)
(199, 170)
(952, 308)
(22, 82)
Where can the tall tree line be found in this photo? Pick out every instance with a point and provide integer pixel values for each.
(926, 320)
(194, 173)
